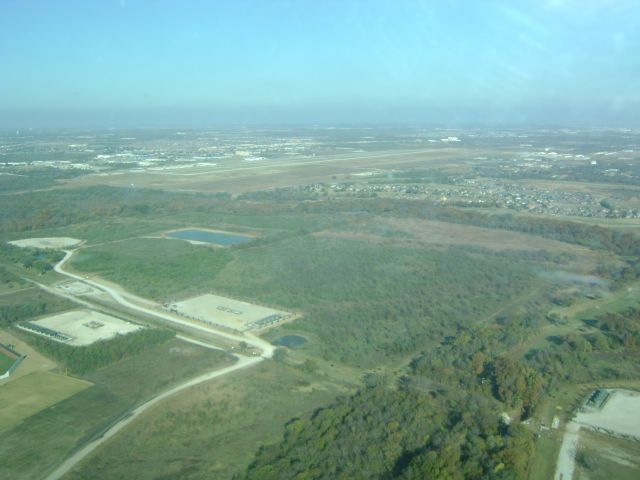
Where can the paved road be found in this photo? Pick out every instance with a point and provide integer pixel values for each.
(127, 300)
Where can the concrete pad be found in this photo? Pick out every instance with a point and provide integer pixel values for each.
(81, 327)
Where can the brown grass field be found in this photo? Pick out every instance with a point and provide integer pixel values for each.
(31, 393)
(447, 234)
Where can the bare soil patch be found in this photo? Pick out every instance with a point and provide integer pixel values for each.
(444, 233)
(619, 416)
(80, 327)
(47, 242)
(228, 312)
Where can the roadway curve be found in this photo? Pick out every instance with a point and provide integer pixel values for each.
(120, 297)
(125, 299)
(77, 457)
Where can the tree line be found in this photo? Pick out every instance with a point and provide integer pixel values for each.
(83, 359)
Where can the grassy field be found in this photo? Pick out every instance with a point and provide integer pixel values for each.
(27, 395)
(5, 363)
(122, 228)
(446, 233)
(616, 301)
(65, 426)
(154, 268)
(602, 457)
(214, 430)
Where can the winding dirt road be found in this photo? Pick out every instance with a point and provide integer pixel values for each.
(72, 461)
(150, 308)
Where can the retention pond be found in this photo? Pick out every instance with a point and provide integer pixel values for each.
(208, 236)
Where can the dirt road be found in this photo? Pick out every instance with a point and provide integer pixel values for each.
(567, 456)
(148, 307)
(133, 302)
(77, 457)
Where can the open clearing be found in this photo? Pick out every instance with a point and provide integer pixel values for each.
(619, 416)
(237, 414)
(445, 233)
(602, 457)
(80, 327)
(227, 312)
(31, 393)
(48, 242)
(76, 288)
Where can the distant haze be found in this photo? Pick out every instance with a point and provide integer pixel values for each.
(128, 63)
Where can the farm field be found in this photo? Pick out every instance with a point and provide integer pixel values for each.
(62, 428)
(32, 393)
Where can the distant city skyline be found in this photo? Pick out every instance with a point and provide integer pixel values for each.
(143, 63)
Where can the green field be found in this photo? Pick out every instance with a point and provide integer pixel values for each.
(67, 425)
(602, 457)
(25, 396)
(5, 363)
(154, 268)
(214, 430)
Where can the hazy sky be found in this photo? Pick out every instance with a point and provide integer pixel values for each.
(149, 63)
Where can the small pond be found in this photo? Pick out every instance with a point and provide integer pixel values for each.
(207, 236)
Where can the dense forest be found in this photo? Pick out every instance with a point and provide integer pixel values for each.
(404, 434)
(443, 419)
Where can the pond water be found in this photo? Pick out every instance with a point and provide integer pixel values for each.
(217, 238)
(291, 341)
